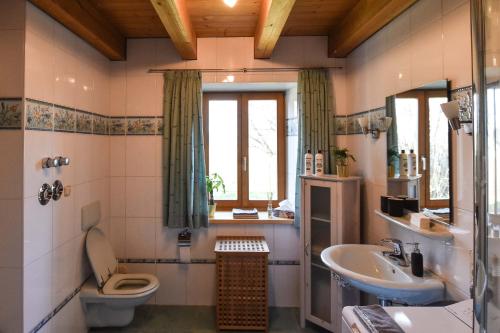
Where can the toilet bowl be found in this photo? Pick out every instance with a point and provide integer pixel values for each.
(110, 298)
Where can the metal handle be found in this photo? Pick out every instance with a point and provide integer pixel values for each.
(48, 162)
(306, 249)
(244, 163)
(424, 162)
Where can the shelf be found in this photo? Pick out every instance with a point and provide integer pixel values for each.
(320, 266)
(227, 218)
(319, 219)
(437, 231)
(404, 179)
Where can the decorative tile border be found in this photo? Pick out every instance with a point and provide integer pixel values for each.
(141, 126)
(84, 122)
(58, 308)
(348, 125)
(39, 115)
(465, 101)
(43, 116)
(11, 113)
(196, 261)
(64, 119)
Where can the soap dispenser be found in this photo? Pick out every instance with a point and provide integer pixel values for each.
(417, 261)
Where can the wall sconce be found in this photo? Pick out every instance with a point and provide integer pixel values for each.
(380, 125)
(452, 111)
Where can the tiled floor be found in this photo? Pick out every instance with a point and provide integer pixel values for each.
(200, 319)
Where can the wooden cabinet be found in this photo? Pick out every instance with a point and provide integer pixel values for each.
(330, 215)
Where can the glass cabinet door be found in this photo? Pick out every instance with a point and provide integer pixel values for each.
(319, 286)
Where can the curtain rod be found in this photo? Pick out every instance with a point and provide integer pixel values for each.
(246, 70)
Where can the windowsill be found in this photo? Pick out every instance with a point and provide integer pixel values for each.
(227, 218)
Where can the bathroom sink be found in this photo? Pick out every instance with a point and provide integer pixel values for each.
(366, 268)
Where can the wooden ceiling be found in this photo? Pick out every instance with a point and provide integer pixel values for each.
(103, 21)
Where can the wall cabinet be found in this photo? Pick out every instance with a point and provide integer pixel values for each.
(330, 215)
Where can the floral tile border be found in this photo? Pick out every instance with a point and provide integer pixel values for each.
(159, 126)
(465, 101)
(141, 126)
(39, 115)
(64, 119)
(11, 113)
(43, 116)
(84, 122)
(117, 125)
(100, 125)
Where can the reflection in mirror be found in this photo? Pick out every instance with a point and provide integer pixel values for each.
(419, 148)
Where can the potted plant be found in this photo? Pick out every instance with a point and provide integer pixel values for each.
(214, 182)
(342, 157)
(392, 156)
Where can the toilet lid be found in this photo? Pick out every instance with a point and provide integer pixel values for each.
(101, 256)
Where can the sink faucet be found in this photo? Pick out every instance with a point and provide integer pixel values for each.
(398, 253)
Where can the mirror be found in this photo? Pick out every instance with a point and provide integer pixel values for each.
(420, 129)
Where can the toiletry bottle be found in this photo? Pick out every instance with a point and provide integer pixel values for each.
(318, 160)
(308, 160)
(417, 261)
(403, 164)
(412, 163)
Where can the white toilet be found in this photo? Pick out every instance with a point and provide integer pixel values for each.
(110, 299)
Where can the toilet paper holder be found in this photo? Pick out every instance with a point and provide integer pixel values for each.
(184, 238)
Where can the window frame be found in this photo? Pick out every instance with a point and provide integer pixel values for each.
(242, 146)
(424, 145)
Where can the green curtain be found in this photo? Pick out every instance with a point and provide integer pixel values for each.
(184, 184)
(316, 123)
(392, 131)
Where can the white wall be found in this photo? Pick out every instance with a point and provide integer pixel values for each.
(429, 42)
(61, 69)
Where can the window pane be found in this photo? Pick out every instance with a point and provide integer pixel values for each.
(262, 149)
(439, 170)
(407, 124)
(223, 145)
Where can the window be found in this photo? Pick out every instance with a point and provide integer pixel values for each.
(429, 140)
(245, 145)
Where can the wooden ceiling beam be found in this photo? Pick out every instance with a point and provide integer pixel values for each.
(82, 18)
(364, 20)
(174, 16)
(272, 19)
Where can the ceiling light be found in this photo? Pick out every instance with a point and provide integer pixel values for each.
(230, 3)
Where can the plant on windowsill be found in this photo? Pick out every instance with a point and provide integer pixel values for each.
(392, 157)
(214, 182)
(342, 157)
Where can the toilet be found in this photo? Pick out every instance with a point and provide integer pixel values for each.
(109, 298)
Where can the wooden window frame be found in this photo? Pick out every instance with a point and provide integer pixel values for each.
(424, 145)
(243, 173)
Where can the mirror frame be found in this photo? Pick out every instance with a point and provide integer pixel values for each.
(450, 147)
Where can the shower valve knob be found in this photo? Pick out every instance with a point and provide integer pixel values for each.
(61, 160)
(48, 162)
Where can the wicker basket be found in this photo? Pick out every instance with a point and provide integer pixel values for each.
(242, 283)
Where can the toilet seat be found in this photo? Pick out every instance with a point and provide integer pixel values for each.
(130, 284)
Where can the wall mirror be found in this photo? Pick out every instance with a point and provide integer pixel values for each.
(420, 127)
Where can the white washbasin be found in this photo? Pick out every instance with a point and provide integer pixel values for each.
(365, 267)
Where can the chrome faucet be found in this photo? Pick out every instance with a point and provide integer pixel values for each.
(398, 253)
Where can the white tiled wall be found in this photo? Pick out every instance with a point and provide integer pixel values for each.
(429, 42)
(62, 69)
